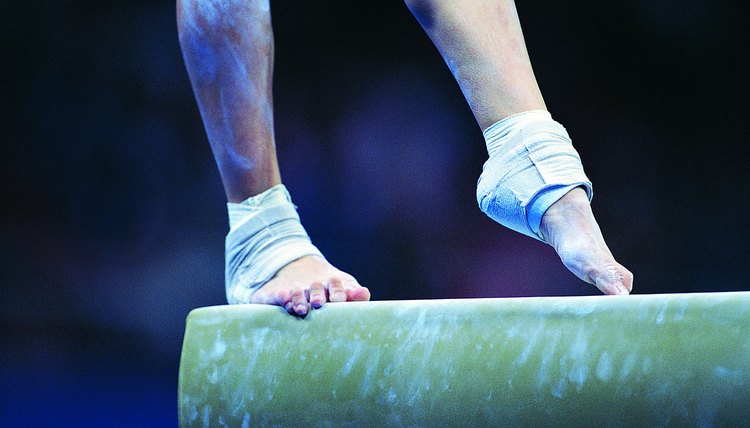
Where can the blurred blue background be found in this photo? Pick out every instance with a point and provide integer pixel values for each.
(113, 215)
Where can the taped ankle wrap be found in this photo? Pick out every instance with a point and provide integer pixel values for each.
(532, 165)
(265, 234)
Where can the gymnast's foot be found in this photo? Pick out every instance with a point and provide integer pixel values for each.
(309, 282)
(569, 226)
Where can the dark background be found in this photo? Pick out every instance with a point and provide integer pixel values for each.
(112, 212)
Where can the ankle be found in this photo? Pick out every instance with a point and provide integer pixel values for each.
(564, 215)
(575, 200)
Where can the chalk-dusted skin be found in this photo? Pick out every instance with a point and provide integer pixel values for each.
(228, 50)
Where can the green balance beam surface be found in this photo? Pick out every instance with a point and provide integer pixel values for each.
(642, 360)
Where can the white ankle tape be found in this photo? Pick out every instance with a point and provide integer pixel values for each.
(265, 234)
(532, 165)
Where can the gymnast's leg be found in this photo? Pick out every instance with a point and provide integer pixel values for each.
(533, 182)
(228, 50)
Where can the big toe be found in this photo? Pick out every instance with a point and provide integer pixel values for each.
(610, 277)
(357, 293)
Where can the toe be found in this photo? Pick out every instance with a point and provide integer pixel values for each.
(336, 291)
(356, 292)
(611, 278)
(317, 295)
(627, 279)
(299, 304)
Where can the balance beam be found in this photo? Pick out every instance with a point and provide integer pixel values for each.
(641, 360)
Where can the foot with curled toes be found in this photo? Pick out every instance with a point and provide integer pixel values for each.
(309, 283)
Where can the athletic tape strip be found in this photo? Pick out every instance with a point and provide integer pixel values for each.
(531, 165)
